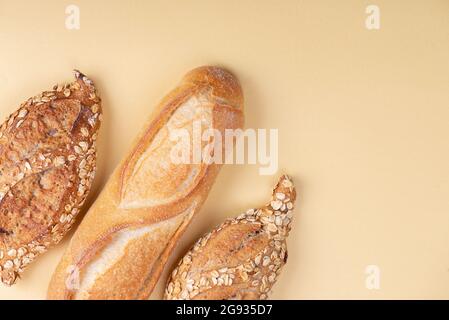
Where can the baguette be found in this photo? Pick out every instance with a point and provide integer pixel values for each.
(124, 241)
(241, 258)
(47, 164)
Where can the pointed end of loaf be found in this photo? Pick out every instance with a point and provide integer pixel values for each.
(82, 78)
(277, 214)
(284, 189)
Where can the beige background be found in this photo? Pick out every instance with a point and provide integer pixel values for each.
(363, 119)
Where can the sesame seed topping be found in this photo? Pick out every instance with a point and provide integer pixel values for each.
(84, 131)
(27, 165)
(280, 195)
(84, 145)
(187, 259)
(278, 221)
(271, 227)
(83, 163)
(59, 161)
(21, 252)
(95, 108)
(81, 190)
(22, 113)
(266, 261)
(92, 121)
(276, 204)
(215, 274)
(176, 290)
(184, 294)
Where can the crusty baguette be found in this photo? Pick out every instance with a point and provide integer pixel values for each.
(124, 241)
(47, 163)
(241, 258)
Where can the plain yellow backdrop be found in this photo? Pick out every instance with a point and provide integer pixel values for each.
(363, 119)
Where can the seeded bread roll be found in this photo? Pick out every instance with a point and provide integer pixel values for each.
(124, 241)
(47, 164)
(241, 258)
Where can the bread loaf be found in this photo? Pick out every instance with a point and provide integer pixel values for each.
(124, 241)
(241, 258)
(47, 163)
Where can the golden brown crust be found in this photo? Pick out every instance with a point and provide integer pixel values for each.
(125, 239)
(241, 258)
(47, 164)
(225, 87)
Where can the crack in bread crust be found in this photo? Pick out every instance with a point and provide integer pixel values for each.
(166, 181)
(109, 257)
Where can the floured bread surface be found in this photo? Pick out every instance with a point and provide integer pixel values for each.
(47, 163)
(240, 259)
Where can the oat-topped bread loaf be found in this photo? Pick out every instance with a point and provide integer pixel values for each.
(242, 257)
(47, 163)
(124, 241)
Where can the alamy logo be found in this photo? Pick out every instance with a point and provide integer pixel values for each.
(372, 21)
(209, 146)
(72, 20)
(372, 281)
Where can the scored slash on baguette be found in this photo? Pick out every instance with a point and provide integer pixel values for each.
(242, 257)
(47, 164)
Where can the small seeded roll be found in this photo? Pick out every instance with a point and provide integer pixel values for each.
(240, 259)
(47, 164)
